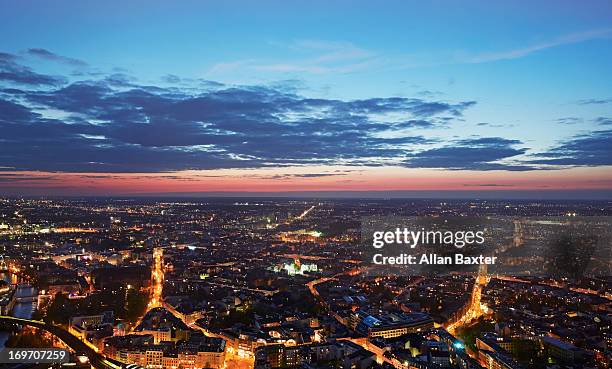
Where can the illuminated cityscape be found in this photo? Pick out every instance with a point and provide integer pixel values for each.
(219, 283)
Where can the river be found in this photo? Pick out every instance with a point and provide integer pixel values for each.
(21, 309)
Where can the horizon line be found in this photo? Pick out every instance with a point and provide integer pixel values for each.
(485, 194)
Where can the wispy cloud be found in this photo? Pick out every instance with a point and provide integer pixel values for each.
(604, 121)
(311, 68)
(487, 185)
(328, 57)
(594, 101)
(332, 51)
(230, 66)
(516, 53)
(20, 177)
(569, 120)
(309, 56)
(48, 55)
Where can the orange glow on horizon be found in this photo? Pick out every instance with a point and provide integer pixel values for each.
(308, 179)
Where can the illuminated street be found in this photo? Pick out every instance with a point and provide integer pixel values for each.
(157, 279)
(475, 309)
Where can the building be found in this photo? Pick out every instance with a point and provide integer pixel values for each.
(495, 343)
(560, 351)
(159, 335)
(163, 326)
(360, 359)
(281, 356)
(437, 353)
(295, 268)
(111, 276)
(198, 352)
(392, 325)
(497, 360)
(459, 358)
(87, 320)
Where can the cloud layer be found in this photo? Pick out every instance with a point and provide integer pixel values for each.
(115, 124)
(471, 154)
(591, 149)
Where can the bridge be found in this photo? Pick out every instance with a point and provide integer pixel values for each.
(97, 360)
(26, 299)
(25, 293)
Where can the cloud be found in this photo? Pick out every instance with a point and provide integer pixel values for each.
(14, 73)
(18, 178)
(487, 185)
(604, 121)
(115, 124)
(332, 50)
(310, 67)
(594, 101)
(591, 149)
(494, 125)
(571, 38)
(316, 175)
(171, 78)
(304, 175)
(310, 56)
(14, 112)
(6, 57)
(485, 153)
(339, 57)
(48, 55)
(421, 60)
(569, 120)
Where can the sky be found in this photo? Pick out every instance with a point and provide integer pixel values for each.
(154, 97)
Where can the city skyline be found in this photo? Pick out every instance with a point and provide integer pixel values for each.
(285, 283)
(478, 100)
